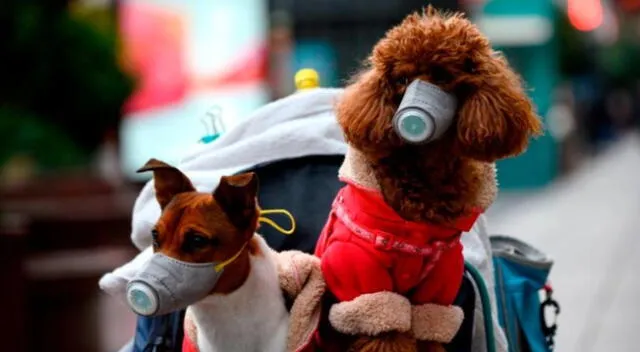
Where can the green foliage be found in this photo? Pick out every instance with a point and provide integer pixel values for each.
(31, 136)
(61, 83)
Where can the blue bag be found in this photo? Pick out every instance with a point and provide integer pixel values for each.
(521, 273)
(159, 334)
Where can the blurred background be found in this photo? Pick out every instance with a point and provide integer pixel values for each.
(92, 89)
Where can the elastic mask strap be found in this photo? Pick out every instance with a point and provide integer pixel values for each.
(273, 223)
(219, 267)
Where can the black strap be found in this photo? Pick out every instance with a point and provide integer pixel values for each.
(466, 300)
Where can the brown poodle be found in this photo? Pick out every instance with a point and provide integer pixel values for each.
(439, 181)
(450, 177)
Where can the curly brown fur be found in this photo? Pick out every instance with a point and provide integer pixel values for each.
(442, 180)
(387, 342)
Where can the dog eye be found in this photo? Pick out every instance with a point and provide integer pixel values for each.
(193, 241)
(198, 241)
(440, 75)
(469, 66)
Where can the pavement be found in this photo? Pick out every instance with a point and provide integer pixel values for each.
(588, 222)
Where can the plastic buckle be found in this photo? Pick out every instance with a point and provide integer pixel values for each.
(549, 329)
(209, 138)
(383, 241)
(216, 126)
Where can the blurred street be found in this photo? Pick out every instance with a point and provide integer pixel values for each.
(588, 222)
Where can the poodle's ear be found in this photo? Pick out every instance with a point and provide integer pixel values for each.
(498, 118)
(364, 111)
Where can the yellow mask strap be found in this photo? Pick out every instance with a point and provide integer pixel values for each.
(273, 223)
(218, 268)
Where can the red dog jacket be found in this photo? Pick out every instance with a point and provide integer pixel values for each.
(366, 247)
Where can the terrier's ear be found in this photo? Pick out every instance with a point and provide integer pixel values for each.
(168, 181)
(236, 195)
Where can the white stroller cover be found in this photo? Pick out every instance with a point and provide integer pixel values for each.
(298, 125)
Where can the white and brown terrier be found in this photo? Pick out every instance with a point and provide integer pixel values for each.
(245, 310)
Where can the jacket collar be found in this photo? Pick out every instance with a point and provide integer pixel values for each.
(368, 208)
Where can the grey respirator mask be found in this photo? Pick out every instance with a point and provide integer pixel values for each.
(165, 285)
(425, 113)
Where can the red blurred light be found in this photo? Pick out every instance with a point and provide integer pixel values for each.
(629, 5)
(585, 15)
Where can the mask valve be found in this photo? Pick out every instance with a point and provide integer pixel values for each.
(425, 113)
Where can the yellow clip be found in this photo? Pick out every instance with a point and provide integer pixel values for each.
(307, 78)
(273, 223)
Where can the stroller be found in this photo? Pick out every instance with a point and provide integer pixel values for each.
(295, 147)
